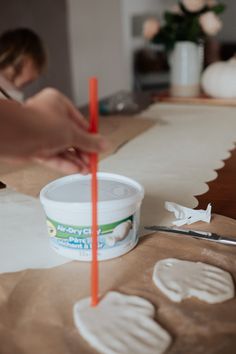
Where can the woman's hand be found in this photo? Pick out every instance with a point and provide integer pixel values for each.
(48, 128)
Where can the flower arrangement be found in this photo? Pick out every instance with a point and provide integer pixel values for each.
(188, 20)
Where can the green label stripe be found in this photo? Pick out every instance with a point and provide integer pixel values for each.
(59, 230)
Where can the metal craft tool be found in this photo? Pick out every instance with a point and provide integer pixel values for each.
(202, 235)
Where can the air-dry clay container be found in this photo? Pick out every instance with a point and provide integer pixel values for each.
(67, 204)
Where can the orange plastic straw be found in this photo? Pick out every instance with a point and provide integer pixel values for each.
(93, 98)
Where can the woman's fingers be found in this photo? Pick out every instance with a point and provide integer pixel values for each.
(85, 157)
(60, 164)
(76, 159)
(87, 142)
(58, 115)
(66, 162)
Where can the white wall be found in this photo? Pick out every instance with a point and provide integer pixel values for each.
(102, 44)
(50, 23)
(95, 33)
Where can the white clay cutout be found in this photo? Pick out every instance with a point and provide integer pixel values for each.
(121, 324)
(179, 279)
(119, 233)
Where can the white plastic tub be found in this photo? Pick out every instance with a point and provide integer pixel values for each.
(67, 204)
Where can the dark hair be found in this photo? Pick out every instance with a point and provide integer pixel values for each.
(14, 44)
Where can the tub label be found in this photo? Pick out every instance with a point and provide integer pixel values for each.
(79, 237)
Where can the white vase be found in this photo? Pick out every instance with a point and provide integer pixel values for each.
(186, 61)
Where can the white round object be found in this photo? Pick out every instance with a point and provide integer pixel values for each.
(67, 204)
(121, 324)
(219, 79)
(179, 279)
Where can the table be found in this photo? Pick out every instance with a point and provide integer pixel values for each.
(222, 191)
(39, 302)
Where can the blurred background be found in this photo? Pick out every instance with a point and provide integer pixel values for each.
(103, 38)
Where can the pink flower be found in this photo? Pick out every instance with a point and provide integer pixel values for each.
(150, 28)
(193, 5)
(210, 23)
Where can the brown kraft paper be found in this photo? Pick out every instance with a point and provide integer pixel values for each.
(36, 305)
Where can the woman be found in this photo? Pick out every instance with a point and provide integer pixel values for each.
(22, 59)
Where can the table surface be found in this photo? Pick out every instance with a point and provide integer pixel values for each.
(222, 191)
(41, 330)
